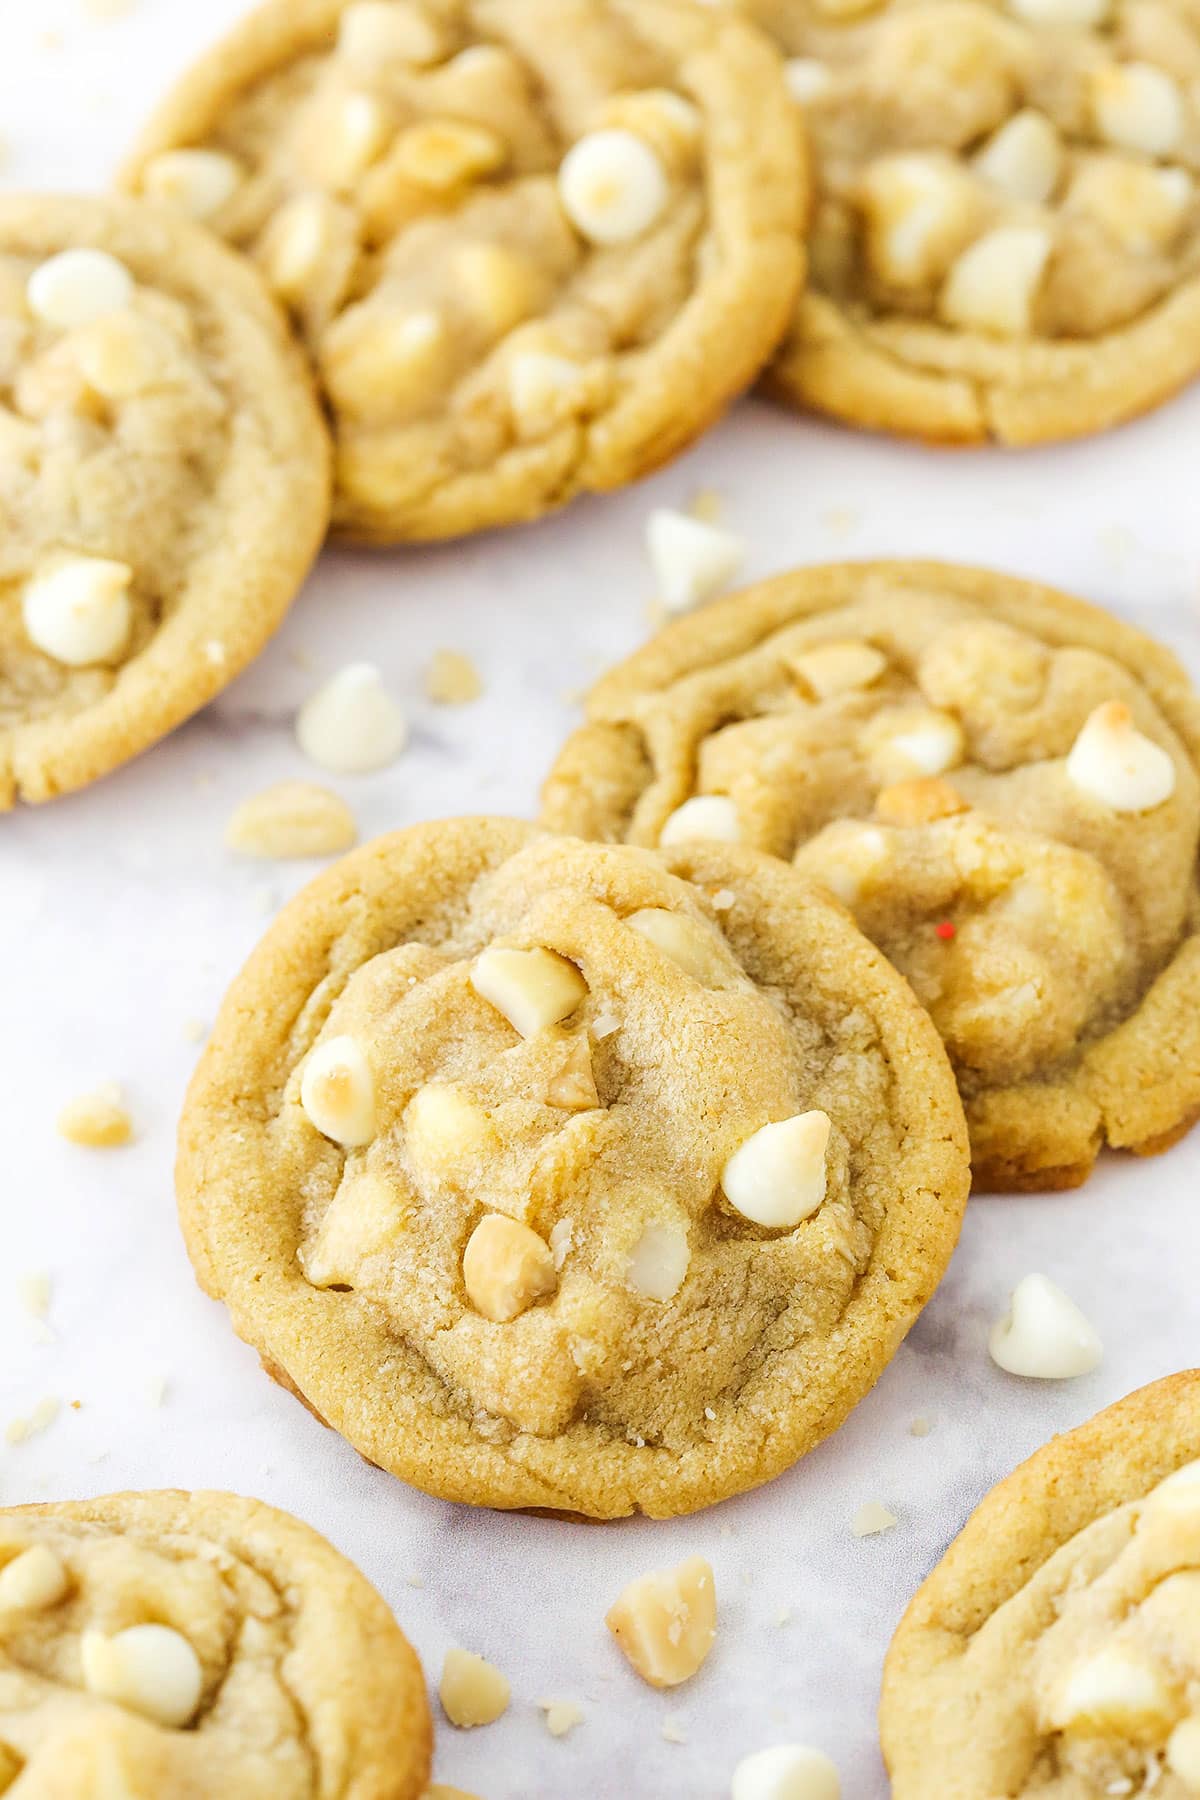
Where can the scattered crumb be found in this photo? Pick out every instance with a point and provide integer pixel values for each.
(784, 1616)
(203, 781)
(1117, 544)
(102, 11)
(194, 1031)
(707, 506)
(472, 1691)
(574, 696)
(303, 659)
(672, 1730)
(98, 1121)
(727, 1531)
(723, 899)
(561, 1716)
(34, 1292)
(452, 679)
(157, 1389)
(19, 1431)
(100, 1456)
(921, 1426)
(415, 1581)
(871, 1519)
(840, 521)
(264, 900)
(292, 819)
(747, 1577)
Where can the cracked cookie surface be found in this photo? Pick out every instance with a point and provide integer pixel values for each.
(198, 1645)
(568, 1176)
(1006, 237)
(1002, 783)
(534, 247)
(164, 481)
(1055, 1650)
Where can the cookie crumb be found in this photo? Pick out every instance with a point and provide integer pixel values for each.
(723, 899)
(840, 521)
(194, 1031)
(871, 1519)
(604, 1025)
(415, 1581)
(19, 1431)
(452, 679)
(561, 1716)
(157, 1389)
(292, 819)
(672, 1730)
(707, 505)
(783, 1616)
(921, 1426)
(472, 1691)
(97, 1121)
(34, 1292)
(264, 900)
(102, 12)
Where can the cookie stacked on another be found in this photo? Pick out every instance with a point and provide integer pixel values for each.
(1002, 783)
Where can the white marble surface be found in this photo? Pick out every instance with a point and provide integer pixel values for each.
(122, 918)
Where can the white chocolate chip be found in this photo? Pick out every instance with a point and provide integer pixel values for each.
(613, 186)
(693, 946)
(908, 745)
(472, 1691)
(380, 360)
(79, 611)
(807, 78)
(660, 1262)
(446, 1132)
(778, 1176)
(546, 390)
(849, 855)
(1183, 1753)
(373, 31)
(296, 243)
(506, 1268)
(871, 1519)
(1044, 1335)
(710, 817)
(198, 182)
(532, 988)
(499, 287)
(98, 1121)
(120, 355)
(353, 139)
(1137, 107)
(840, 668)
(993, 285)
(351, 725)
(151, 1669)
(666, 1622)
(786, 1772)
(33, 1580)
(292, 819)
(920, 209)
(1081, 13)
(692, 561)
(1114, 763)
(337, 1092)
(77, 286)
(1024, 159)
(1113, 1691)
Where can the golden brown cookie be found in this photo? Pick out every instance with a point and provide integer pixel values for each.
(1055, 1649)
(552, 1180)
(175, 1646)
(1006, 238)
(534, 247)
(1001, 782)
(164, 481)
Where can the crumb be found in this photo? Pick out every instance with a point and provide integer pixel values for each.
(871, 1519)
(34, 1292)
(840, 521)
(784, 1616)
(574, 696)
(98, 1121)
(921, 1426)
(727, 1531)
(415, 1581)
(707, 506)
(103, 11)
(747, 1578)
(672, 1730)
(157, 1389)
(723, 899)
(264, 900)
(194, 1031)
(292, 819)
(19, 1431)
(303, 659)
(452, 679)
(561, 1716)
(1117, 544)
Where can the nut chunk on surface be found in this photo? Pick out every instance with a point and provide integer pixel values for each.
(472, 1690)
(666, 1622)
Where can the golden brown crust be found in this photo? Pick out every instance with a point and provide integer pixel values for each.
(427, 478)
(242, 1170)
(261, 529)
(1133, 1086)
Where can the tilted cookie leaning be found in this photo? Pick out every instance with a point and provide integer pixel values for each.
(156, 1644)
(1002, 783)
(550, 1179)
(1055, 1650)
(1006, 241)
(533, 246)
(164, 481)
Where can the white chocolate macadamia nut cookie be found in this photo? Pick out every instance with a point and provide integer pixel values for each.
(164, 481)
(1006, 237)
(491, 1157)
(1000, 782)
(169, 1644)
(1054, 1653)
(534, 247)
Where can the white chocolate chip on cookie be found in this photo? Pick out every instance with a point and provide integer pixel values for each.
(807, 78)
(33, 1580)
(443, 154)
(1141, 207)
(920, 210)
(842, 667)
(351, 725)
(1115, 1691)
(786, 1772)
(906, 744)
(1024, 159)
(692, 560)
(1179, 1492)
(546, 390)
(849, 856)
(660, 1261)
(693, 946)
(1044, 1335)
(666, 1622)
(374, 31)
(77, 286)
(337, 1092)
(1183, 1753)
(446, 1132)
(151, 1669)
(532, 988)
(199, 182)
(778, 1176)
(1114, 763)
(1138, 107)
(78, 611)
(613, 186)
(712, 818)
(506, 1268)
(472, 1691)
(994, 284)
(379, 360)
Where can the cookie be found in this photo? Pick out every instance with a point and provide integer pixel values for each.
(563, 1176)
(534, 247)
(1006, 239)
(1055, 1649)
(164, 481)
(198, 1644)
(1000, 781)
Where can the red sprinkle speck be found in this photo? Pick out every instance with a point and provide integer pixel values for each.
(946, 930)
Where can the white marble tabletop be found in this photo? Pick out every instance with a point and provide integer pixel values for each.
(122, 918)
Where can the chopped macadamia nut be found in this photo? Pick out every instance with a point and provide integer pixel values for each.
(472, 1691)
(533, 989)
(373, 31)
(292, 819)
(199, 182)
(1183, 1753)
(660, 1262)
(920, 208)
(692, 560)
(778, 1177)
(446, 1132)
(613, 186)
(78, 611)
(919, 802)
(1116, 1691)
(561, 1716)
(909, 742)
(1114, 763)
(573, 1087)
(693, 946)
(839, 668)
(452, 679)
(1044, 1335)
(77, 286)
(33, 1580)
(351, 725)
(506, 1268)
(1024, 159)
(871, 1519)
(1142, 208)
(359, 1220)
(1138, 107)
(786, 1772)
(853, 855)
(712, 817)
(151, 1669)
(994, 284)
(98, 1121)
(337, 1091)
(666, 1622)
